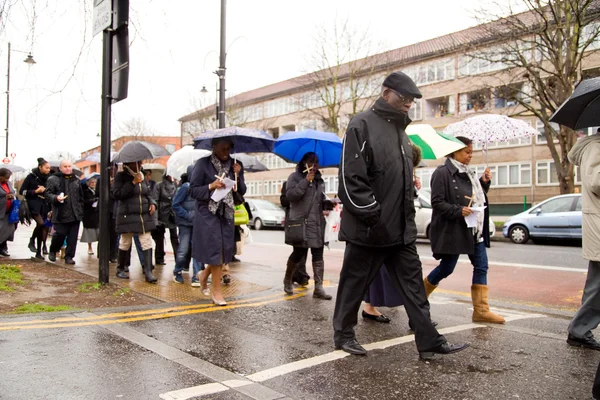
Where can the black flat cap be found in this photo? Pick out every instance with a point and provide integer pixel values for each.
(401, 83)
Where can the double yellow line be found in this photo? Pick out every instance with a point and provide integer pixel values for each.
(132, 316)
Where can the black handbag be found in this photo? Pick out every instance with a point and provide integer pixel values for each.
(295, 229)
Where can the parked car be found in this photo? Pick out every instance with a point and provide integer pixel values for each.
(558, 217)
(265, 214)
(423, 214)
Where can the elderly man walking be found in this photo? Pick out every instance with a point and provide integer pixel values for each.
(65, 195)
(376, 188)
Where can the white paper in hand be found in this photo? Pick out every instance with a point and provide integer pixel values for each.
(220, 193)
(471, 219)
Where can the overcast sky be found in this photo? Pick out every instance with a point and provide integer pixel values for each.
(55, 104)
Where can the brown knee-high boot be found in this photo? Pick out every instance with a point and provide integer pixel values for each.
(288, 285)
(429, 288)
(481, 308)
(319, 271)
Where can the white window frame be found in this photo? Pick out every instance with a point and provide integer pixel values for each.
(522, 142)
(253, 188)
(541, 137)
(331, 184)
(416, 111)
(547, 165)
(424, 174)
(494, 169)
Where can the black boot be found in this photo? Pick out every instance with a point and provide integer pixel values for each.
(319, 271)
(288, 285)
(44, 249)
(122, 259)
(127, 259)
(32, 245)
(148, 266)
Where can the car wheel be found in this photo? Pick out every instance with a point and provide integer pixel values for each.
(258, 225)
(518, 234)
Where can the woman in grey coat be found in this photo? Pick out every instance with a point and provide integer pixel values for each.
(7, 195)
(306, 194)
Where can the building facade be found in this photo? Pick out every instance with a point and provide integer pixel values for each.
(454, 84)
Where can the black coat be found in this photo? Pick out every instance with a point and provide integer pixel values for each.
(164, 192)
(448, 230)
(376, 179)
(71, 210)
(91, 213)
(213, 236)
(133, 208)
(37, 202)
(302, 194)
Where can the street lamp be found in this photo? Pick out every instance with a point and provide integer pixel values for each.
(29, 60)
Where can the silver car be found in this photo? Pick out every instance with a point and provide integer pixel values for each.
(265, 214)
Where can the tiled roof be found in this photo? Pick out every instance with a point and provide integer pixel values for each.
(450, 43)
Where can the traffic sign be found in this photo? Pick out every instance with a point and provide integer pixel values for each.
(6, 160)
(13, 155)
(102, 15)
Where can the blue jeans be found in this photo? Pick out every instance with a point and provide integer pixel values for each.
(184, 252)
(479, 260)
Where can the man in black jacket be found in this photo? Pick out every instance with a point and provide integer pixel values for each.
(65, 195)
(376, 188)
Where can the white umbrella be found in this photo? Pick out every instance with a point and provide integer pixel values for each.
(181, 159)
(486, 128)
(433, 145)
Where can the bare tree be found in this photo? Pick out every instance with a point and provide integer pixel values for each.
(544, 51)
(136, 127)
(345, 74)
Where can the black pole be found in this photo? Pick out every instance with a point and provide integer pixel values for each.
(7, 96)
(104, 239)
(222, 68)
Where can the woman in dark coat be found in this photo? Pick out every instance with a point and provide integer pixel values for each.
(32, 190)
(7, 195)
(134, 216)
(454, 190)
(90, 214)
(213, 235)
(305, 190)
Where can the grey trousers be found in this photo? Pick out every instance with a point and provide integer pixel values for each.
(587, 317)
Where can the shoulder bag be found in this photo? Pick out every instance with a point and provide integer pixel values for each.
(295, 229)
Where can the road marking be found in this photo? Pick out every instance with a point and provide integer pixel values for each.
(148, 315)
(295, 366)
(466, 261)
(209, 388)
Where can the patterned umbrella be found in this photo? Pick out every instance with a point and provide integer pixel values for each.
(433, 144)
(486, 128)
(244, 140)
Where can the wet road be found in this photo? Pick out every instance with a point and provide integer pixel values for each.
(267, 345)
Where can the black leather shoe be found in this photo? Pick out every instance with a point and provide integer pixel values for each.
(4, 253)
(352, 347)
(160, 262)
(377, 318)
(445, 348)
(69, 261)
(588, 343)
(52, 257)
(234, 259)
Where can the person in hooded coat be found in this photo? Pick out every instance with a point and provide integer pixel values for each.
(213, 235)
(305, 190)
(32, 190)
(163, 193)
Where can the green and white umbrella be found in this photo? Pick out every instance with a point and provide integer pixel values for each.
(433, 144)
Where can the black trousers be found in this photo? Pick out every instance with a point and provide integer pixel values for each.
(159, 239)
(361, 265)
(596, 387)
(300, 274)
(114, 239)
(70, 230)
(300, 254)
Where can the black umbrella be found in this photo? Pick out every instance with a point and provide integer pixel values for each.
(251, 163)
(582, 108)
(138, 150)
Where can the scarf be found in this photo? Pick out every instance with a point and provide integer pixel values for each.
(224, 207)
(478, 195)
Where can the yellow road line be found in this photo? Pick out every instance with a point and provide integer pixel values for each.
(135, 313)
(211, 308)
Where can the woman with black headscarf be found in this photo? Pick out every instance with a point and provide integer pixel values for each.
(33, 189)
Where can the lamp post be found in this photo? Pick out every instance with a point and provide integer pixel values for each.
(29, 60)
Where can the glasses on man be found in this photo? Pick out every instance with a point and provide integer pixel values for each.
(403, 98)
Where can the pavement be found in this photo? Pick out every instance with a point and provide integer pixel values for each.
(265, 345)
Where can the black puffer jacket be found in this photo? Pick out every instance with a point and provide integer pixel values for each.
(376, 179)
(164, 193)
(133, 209)
(36, 201)
(71, 210)
(91, 215)
(448, 230)
(301, 194)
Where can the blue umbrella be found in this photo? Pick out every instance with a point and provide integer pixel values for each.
(292, 146)
(93, 175)
(245, 140)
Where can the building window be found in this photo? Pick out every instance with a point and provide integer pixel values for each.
(509, 95)
(508, 175)
(526, 141)
(432, 72)
(541, 128)
(416, 111)
(273, 161)
(273, 187)
(488, 60)
(546, 173)
(253, 188)
(440, 107)
(474, 101)
(310, 124)
(590, 36)
(331, 184)
(170, 148)
(424, 174)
